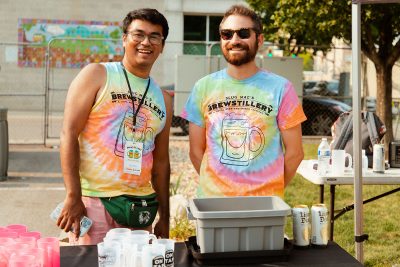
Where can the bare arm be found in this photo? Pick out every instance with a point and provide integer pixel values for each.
(161, 172)
(197, 139)
(80, 98)
(293, 151)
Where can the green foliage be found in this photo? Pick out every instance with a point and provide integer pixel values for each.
(308, 61)
(182, 229)
(174, 186)
(381, 219)
(315, 23)
(300, 23)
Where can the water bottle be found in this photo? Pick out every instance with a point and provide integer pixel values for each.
(324, 156)
(364, 162)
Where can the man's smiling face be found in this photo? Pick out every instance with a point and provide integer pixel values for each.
(144, 53)
(238, 51)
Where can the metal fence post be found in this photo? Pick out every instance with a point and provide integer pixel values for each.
(3, 144)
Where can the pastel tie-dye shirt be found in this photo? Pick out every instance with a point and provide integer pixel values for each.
(243, 120)
(109, 127)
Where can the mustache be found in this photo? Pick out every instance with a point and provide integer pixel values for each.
(238, 45)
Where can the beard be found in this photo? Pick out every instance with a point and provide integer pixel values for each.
(239, 60)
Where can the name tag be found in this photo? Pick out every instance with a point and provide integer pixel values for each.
(133, 157)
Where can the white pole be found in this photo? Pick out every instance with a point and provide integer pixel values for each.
(356, 79)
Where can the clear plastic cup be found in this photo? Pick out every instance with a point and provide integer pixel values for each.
(141, 240)
(143, 234)
(118, 232)
(129, 250)
(109, 254)
(153, 254)
(140, 232)
(136, 259)
(169, 251)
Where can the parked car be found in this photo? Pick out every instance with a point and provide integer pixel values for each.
(321, 113)
(323, 88)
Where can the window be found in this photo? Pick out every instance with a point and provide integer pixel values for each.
(201, 28)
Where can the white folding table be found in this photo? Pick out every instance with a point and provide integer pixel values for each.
(307, 169)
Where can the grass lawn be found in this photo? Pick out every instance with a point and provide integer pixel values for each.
(381, 217)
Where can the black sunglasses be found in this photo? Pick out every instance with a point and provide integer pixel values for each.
(243, 33)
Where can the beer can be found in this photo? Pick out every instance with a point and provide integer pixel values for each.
(319, 225)
(378, 160)
(301, 234)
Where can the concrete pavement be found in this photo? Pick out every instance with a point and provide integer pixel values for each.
(33, 189)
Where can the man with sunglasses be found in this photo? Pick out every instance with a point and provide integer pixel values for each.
(115, 138)
(245, 122)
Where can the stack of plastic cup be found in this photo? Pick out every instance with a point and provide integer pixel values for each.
(138, 248)
(20, 248)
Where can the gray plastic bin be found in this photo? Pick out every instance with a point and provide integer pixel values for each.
(239, 223)
(3, 144)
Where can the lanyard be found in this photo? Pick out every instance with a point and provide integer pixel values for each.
(130, 93)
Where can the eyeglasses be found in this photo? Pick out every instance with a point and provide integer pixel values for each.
(154, 39)
(243, 33)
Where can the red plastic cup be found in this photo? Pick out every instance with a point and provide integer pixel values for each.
(5, 241)
(38, 253)
(34, 234)
(16, 247)
(19, 228)
(51, 245)
(21, 261)
(30, 240)
(9, 233)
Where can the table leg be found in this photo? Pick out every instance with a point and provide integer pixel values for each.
(332, 210)
(321, 193)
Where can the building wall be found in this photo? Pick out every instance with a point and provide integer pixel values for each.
(14, 79)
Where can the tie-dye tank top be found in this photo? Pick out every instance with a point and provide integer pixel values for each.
(109, 127)
(243, 119)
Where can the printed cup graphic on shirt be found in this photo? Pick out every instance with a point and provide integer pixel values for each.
(142, 132)
(126, 133)
(241, 142)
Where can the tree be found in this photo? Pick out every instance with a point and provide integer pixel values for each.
(313, 22)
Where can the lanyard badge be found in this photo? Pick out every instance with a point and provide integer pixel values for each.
(133, 157)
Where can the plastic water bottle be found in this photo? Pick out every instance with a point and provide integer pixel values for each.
(324, 156)
(364, 162)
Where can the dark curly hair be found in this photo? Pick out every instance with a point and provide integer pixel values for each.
(146, 14)
(244, 11)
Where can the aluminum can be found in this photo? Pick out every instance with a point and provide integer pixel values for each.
(378, 161)
(319, 225)
(301, 233)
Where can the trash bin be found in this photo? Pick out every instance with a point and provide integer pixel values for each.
(3, 144)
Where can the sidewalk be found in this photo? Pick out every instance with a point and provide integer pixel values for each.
(33, 188)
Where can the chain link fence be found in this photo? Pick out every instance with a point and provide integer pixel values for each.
(34, 79)
(22, 91)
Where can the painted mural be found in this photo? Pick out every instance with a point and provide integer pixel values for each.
(69, 49)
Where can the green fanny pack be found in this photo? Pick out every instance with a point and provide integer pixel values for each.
(132, 211)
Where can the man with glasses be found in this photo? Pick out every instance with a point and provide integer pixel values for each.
(245, 122)
(115, 138)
